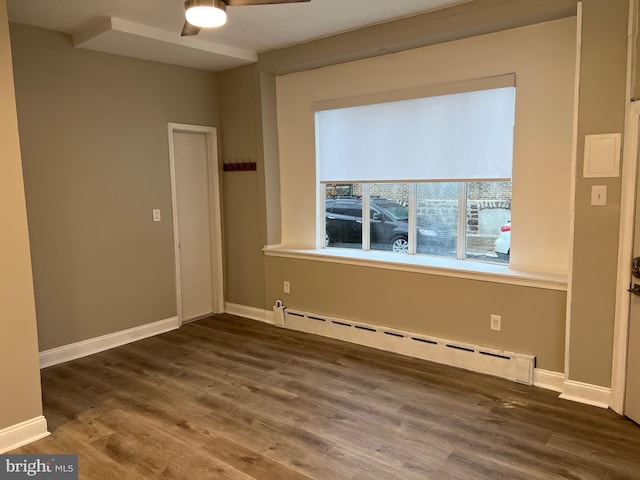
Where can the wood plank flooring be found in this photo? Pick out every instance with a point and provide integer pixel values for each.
(230, 398)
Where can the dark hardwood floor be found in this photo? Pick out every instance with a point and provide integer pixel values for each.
(229, 398)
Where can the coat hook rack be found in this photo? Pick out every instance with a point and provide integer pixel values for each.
(235, 165)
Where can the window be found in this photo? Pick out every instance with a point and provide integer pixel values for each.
(485, 219)
(434, 173)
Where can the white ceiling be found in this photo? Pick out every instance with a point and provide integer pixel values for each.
(150, 29)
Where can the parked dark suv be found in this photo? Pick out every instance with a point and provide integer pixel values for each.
(388, 224)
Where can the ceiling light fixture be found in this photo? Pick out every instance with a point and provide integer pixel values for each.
(206, 13)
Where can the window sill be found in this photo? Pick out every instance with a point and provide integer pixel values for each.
(446, 267)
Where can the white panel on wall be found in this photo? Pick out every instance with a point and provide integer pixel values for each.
(602, 155)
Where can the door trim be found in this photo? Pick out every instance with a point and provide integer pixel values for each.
(572, 189)
(625, 255)
(216, 220)
(627, 223)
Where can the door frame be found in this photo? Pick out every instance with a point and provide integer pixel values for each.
(625, 255)
(211, 135)
(629, 186)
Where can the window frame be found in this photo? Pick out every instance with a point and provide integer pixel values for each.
(475, 85)
(461, 233)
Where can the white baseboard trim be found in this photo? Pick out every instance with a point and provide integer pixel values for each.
(23, 433)
(84, 348)
(586, 393)
(548, 379)
(249, 312)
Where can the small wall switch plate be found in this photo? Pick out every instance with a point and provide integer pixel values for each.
(156, 215)
(599, 195)
(496, 322)
(287, 287)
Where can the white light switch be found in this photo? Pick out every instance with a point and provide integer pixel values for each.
(156, 215)
(599, 195)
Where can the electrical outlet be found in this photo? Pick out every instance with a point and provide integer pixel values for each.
(287, 287)
(156, 215)
(496, 322)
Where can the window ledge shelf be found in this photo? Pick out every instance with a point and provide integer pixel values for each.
(446, 267)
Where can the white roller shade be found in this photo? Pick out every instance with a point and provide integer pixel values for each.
(461, 136)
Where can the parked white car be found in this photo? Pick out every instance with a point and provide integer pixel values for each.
(503, 242)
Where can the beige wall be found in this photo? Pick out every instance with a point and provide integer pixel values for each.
(542, 56)
(271, 159)
(243, 192)
(461, 21)
(19, 372)
(93, 132)
(451, 308)
(601, 110)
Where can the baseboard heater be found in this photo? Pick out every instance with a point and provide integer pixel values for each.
(513, 366)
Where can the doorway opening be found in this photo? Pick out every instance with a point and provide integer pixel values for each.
(197, 223)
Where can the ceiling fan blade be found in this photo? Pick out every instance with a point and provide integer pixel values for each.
(240, 3)
(189, 30)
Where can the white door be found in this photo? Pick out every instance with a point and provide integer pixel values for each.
(632, 395)
(196, 223)
(632, 385)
